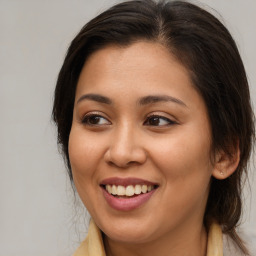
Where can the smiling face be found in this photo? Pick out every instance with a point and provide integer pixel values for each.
(139, 124)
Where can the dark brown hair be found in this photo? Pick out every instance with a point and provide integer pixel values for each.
(202, 44)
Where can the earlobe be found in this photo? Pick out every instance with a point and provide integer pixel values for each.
(225, 164)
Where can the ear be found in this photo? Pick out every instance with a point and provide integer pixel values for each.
(226, 164)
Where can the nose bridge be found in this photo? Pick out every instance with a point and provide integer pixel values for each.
(125, 147)
(123, 142)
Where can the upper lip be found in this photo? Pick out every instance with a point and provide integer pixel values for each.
(126, 181)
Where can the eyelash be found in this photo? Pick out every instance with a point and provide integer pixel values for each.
(86, 120)
(170, 122)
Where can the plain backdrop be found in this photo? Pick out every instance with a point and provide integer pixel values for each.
(37, 214)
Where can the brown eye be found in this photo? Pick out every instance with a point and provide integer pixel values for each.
(93, 119)
(158, 121)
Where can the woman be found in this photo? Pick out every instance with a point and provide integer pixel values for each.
(154, 119)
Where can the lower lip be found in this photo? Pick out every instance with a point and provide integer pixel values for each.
(129, 203)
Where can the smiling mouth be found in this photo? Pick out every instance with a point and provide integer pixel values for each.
(128, 191)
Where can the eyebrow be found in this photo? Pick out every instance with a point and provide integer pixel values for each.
(151, 99)
(160, 98)
(95, 97)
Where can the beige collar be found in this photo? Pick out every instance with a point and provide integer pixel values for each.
(93, 244)
(215, 241)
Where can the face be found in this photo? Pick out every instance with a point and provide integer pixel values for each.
(140, 143)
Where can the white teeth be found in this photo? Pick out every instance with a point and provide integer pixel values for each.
(144, 189)
(120, 190)
(109, 189)
(137, 189)
(129, 190)
(149, 188)
(114, 190)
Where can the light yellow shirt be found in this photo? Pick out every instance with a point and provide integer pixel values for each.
(93, 244)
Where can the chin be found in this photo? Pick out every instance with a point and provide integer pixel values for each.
(128, 232)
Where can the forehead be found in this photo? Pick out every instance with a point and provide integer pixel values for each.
(133, 53)
(140, 65)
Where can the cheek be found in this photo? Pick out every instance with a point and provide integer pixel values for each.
(184, 159)
(183, 154)
(84, 159)
(84, 155)
(185, 166)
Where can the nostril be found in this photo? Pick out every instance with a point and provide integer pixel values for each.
(125, 157)
(123, 164)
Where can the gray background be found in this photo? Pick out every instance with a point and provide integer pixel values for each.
(37, 214)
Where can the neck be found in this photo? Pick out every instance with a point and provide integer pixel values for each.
(185, 242)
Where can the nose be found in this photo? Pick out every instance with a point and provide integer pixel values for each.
(125, 148)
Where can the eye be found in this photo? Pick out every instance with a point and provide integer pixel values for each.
(156, 120)
(95, 119)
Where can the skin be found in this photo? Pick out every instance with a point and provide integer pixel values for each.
(173, 151)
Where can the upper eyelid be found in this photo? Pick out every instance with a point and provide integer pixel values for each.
(171, 121)
(94, 113)
(162, 115)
